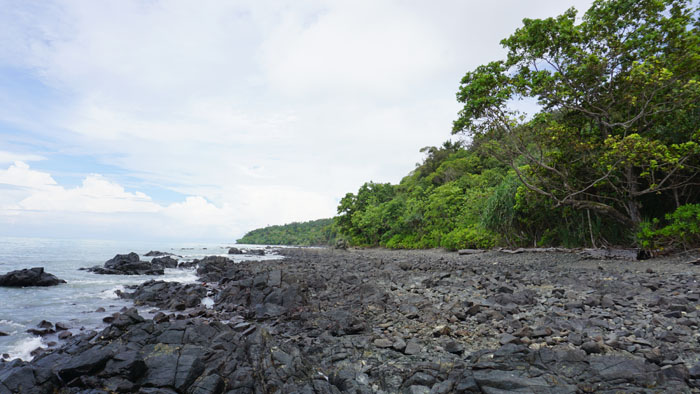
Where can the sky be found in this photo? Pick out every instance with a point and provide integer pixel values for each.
(183, 120)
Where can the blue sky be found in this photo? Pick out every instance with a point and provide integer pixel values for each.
(138, 119)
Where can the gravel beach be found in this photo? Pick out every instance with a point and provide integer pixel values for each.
(384, 321)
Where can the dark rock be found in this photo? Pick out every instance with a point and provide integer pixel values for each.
(509, 381)
(454, 347)
(421, 379)
(40, 332)
(507, 338)
(412, 347)
(85, 363)
(127, 264)
(29, 277)
(18, 378)
(235, 251)
(541, 332)
(399, 345)
(61, 326)
(129, 365)
(592, 347)
(164, 262)
(694, 372)
(416, 389)
(383, 343)
(64, 335)
(157, 253)
(45, 325)
(211, 384)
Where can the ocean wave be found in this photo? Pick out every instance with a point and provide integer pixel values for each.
(11, 323)
(111, 294)
(180, 275)
(23, 349)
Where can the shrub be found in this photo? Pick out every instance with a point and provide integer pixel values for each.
(682, 228)
(469, 238)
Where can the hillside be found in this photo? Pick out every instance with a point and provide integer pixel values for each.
(312, 233)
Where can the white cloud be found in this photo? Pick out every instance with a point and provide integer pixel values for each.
(20, 175)
(11, 157)
(33, 198)
(268, 111)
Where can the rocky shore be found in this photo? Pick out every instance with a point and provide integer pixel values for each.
(367, 321)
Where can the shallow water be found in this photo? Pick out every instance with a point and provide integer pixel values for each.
(75, 303)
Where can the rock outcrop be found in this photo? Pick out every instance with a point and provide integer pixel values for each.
(128, 264)
(29, 277)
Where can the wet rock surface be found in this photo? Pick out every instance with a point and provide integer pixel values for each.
(330, 321)
(29, 277)
(131, 264)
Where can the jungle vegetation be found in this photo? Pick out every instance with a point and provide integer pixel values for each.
(610, 158)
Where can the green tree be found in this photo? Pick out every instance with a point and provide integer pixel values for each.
(619, 92)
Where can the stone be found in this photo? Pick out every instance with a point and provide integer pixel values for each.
(454, 347)
(592, 347)
(29, 277)
(507, 338)
(399, 345)
(441, 330)
(164, 262)
(85, 363)
(211, 384)
(157, 253)
(64, 335)
(416, 389)
(509, 381)
(127, 264)
(412, 347)
(383, 343)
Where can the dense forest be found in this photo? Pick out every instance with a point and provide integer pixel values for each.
(312, 233)
(612, 157)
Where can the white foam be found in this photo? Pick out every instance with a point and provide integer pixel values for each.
(23, 349)
(111, 294)
(180, 275)
(11, 323)
(208, 302)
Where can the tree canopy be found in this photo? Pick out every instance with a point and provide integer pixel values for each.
(618, 131)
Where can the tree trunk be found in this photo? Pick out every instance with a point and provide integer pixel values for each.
(632, 206)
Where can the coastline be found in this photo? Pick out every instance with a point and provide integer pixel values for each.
(324, 320)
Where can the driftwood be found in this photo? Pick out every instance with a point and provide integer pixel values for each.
(470, 251)
(535, 250)
(613, 254)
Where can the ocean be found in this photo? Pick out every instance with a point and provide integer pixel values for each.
(76, 303)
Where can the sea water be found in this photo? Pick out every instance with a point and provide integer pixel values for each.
(77, 303)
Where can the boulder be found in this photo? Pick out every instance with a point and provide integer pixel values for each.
(29, 277)
(157, 253)
(235, 251)
(164, 262)
(128, 264)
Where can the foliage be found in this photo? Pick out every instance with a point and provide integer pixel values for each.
(312, 233)
(437, 205)
(618, 132)
(613, 147)
(468, 238)
(682, 228)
